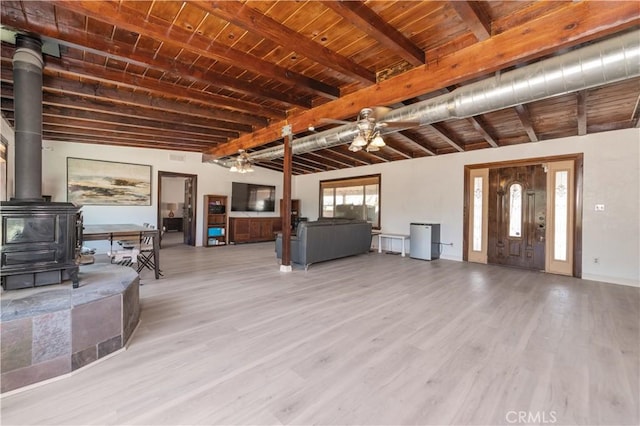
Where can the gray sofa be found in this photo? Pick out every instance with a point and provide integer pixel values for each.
(327, 240)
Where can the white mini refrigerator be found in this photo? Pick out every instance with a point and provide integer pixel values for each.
(424, 241)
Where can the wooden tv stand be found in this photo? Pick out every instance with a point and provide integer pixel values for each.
(253, 229)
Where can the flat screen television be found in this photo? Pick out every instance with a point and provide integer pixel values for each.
(250, 197)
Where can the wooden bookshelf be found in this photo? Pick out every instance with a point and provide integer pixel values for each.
(215, 220)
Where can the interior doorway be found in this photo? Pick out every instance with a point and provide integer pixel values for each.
(177, 208)
(525, 214)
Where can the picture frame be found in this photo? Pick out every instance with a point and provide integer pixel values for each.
(104, 183)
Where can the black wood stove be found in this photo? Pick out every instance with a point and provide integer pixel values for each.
(40, 244)
(40, 240)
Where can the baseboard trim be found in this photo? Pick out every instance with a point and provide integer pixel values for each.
(611, 280)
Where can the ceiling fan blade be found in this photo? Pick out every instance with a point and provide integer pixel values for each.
(399, 124)
(379, 112)
(332, 121)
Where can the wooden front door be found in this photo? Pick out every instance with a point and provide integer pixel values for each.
(517, 217)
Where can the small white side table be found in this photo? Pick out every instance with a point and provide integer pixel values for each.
(402, 237)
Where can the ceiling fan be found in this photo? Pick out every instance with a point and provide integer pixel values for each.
(370, 124)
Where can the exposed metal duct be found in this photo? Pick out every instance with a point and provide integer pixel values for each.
(601, 63)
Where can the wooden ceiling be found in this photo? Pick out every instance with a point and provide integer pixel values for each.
(218, 76)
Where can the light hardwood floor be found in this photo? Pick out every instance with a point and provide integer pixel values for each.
(376, 339)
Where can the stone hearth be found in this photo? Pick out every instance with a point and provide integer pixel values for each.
(50, 331)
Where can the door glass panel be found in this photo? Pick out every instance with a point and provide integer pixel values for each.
(515, 210)
(561, 206)
(477, 213)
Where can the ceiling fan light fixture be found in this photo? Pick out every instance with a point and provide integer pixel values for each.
(354, 148)
(377, 141)
(359, 140)
(371, 147)
(242, 163)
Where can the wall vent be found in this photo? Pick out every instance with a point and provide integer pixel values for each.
(178, 157)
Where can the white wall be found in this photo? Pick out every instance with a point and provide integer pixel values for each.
(212, 179)
(431, 189)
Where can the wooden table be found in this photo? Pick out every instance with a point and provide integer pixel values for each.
(123, 231)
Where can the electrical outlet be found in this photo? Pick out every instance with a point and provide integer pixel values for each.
(596, 260)
(599, 207)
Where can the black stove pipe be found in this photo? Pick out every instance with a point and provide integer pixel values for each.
(27, 85)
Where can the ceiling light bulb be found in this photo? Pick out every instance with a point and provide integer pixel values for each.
(359, 141)
(354, 148)
(372, 147)
(377, 141)
(233, 168)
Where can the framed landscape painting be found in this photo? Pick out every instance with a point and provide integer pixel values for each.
(95, 182)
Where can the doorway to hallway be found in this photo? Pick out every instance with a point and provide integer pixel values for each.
(177, 208)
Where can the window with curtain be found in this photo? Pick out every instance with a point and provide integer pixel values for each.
(352, 198)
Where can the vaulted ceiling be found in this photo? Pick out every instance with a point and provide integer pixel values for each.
(219, 76)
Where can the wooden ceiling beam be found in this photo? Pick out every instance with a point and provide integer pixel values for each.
(122, 52)
(126, 18)
(137, 99)
(191, 112)
(481, 127)
(325, 164)
(128, 143)
(410, 137)
(363, 157)
(137, 110)
(358, 14)
(340, 156)
(131, 116)
(257, 23)
(527, 124)
(607, 127)
(64, 108)
(312, 166)
(159, 88)
(442, 134)
(108, 140)
(581, 100)
(478, 23)
(328, 156)
(160, 135)
(391, 145)
(297, 168)
(544, 35)
(91, 133)
(268, 165)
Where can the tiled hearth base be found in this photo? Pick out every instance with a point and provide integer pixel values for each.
(49, 331)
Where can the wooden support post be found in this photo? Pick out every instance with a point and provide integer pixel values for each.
(285, 266)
